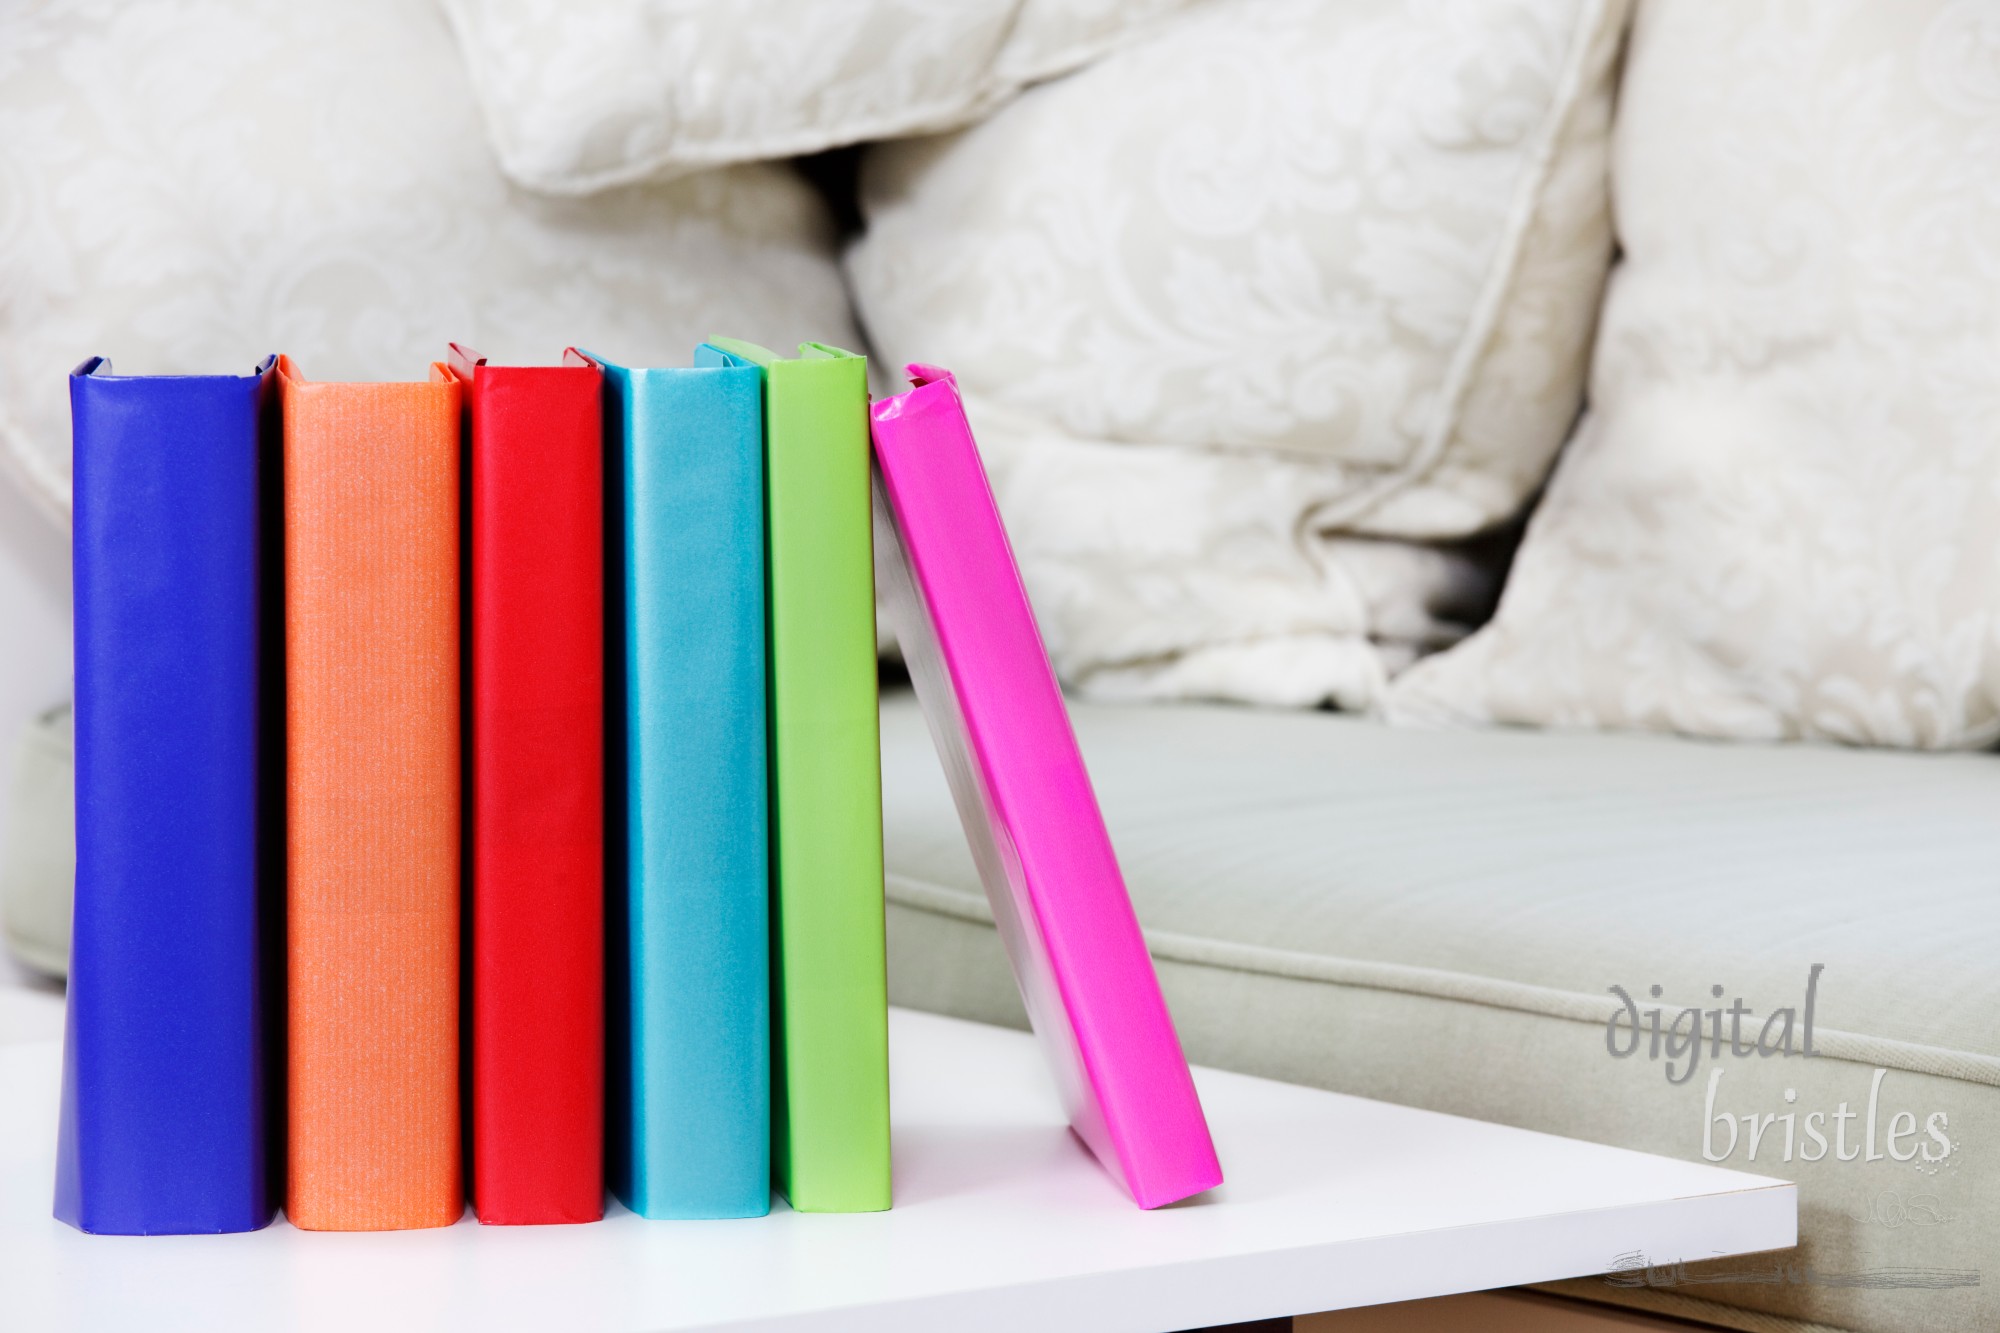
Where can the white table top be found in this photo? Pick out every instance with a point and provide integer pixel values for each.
(1002, 1221)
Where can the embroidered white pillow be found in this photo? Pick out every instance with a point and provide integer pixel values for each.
(584, 94)
(1781, 518)
(188, 187)
(1248, 304)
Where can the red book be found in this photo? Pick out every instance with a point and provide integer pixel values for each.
(535, 796)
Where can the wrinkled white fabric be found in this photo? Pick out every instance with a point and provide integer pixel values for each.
(1781, 518)
(187, 185)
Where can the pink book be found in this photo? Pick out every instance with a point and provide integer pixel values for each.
(990, 697)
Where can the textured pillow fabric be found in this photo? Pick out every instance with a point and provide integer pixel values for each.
(579, 96)
(1781, 517)
(1247, 305)
(187, 186)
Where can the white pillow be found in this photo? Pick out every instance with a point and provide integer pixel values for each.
(579, 96)
(187, 187)
(1248, 303)
(1781, 518)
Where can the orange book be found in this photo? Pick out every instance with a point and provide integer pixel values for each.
(372, 802)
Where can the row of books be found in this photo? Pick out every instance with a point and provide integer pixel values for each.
(510, 739)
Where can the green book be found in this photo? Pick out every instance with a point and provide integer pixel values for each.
(830, 996)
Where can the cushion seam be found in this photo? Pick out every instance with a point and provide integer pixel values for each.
(1570, 95)
(1439, 983)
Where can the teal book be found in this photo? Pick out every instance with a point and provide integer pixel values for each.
(830, 1081)
(689, 1086)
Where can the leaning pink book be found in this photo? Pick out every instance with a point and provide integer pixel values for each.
(990, 698)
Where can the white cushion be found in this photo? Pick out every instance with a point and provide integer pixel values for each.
(185, 188)
(1245, 303)
(1782, 515)
(579, 96)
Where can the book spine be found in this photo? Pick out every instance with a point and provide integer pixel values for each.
(163, 1115)
(831, 1095)
(372, 733)
(534, 674)
(698, 851)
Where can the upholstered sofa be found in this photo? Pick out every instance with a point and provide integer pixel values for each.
(1438, 918)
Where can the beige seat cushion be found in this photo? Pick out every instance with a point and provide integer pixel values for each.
(1436, 918)
(38, 844)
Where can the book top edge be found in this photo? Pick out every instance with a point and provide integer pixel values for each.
(98, 370)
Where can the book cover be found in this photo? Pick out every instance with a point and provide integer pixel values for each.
(997, 717)
(690, 1129)
(164, 1109)
(371, 498)
(830, 1053)
(534, 802)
